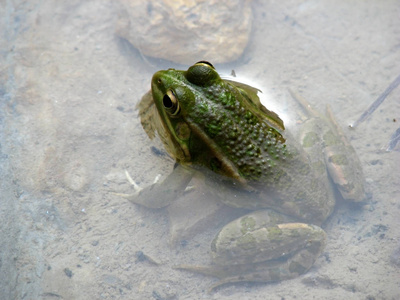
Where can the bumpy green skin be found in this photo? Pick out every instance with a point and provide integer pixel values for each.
(222, 126)
(232, 136)
(221, 112)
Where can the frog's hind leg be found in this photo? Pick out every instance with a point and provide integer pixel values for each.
(254, 248)
(342, 162)
(307, 110)
(287, 267)
(340, 158)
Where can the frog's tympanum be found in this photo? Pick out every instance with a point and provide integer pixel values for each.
(208, 123)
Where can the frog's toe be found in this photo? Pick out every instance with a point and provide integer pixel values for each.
(160, 194)
(137, 189)
(135, 185)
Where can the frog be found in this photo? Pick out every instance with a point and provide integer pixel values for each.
(287, 182)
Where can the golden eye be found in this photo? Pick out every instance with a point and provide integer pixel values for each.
(203, 62)
(171, 103)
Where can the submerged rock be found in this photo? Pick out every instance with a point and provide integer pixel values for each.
(184, 31)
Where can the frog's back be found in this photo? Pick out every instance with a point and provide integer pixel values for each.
(236, 128)
(265, 156)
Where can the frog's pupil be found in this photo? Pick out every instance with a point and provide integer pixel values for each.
(167, 101)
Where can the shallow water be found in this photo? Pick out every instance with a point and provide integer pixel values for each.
(69, 129)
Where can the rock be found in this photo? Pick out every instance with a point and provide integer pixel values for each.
(186, 31)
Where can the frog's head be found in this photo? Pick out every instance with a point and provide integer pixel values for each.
(174, 93)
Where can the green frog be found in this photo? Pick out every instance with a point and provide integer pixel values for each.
(220, 127)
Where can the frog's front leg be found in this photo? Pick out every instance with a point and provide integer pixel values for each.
(161, 194)
(263, 246)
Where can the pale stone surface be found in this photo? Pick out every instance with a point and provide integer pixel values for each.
(186, 31)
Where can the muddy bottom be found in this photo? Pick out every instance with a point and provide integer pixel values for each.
(69, 130)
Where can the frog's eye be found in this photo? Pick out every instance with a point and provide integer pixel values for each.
(203, 62)
(171, 103)
(202, 74)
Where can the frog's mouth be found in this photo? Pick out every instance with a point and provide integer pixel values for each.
(181, 133)
(176, 139)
